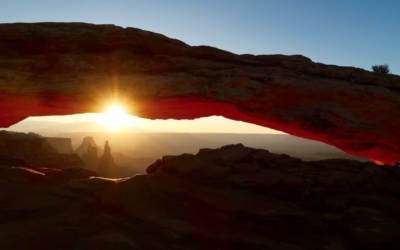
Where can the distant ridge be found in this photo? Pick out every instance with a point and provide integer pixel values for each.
(53, 128)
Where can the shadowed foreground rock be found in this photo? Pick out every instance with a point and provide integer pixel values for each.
(68, 68)
(229, 198)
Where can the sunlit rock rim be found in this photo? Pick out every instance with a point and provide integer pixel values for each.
(69, 68)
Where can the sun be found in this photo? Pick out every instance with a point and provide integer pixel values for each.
(115, 116)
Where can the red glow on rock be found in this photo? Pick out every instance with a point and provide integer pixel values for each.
(378, 162)
(160, 108)
(64, 72)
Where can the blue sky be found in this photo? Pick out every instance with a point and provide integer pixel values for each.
(342, 32)
(358, 33)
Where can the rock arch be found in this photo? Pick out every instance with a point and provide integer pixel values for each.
(69, 68)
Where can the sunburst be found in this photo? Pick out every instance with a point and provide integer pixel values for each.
(115, 116)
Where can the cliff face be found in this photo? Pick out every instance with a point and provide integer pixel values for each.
(21, 144)
(36, 150)
(67, 68)
(63, 145)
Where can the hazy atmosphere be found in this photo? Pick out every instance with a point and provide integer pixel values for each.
(88, 122)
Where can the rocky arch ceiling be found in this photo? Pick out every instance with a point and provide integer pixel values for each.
(69, 68)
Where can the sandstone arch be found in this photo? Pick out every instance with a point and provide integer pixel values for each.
(67, 68)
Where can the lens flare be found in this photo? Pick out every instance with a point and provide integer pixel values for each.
(115, 116)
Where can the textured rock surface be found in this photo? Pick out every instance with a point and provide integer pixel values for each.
(66, 68)
(228, 198)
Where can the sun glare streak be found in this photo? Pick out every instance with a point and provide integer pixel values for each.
(115, 116)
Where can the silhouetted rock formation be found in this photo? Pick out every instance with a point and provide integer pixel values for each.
(63, 145)
(83, 148)
(21, 144)
(243, 198)
(233, 197)
(35, 150)
(346, 107)
(105, 165)
(90, 158)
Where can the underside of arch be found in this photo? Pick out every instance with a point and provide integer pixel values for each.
(70, 68)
